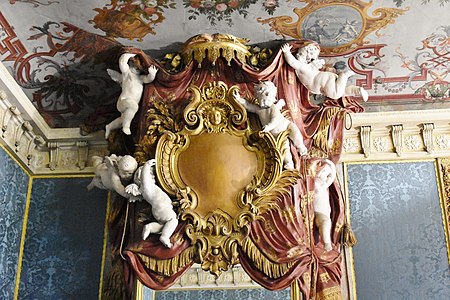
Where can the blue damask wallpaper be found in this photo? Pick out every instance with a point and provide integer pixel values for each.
(245, 294)
(64, 242)
(13, 194)
(397, 218)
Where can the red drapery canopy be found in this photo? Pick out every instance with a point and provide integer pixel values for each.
(287, 240)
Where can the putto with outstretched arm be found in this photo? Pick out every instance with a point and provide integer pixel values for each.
(307, 66)
(272, 119)
(132, 82)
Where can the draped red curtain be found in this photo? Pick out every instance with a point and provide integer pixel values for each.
(287, 237)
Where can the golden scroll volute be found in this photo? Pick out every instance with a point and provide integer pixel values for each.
(224, 173)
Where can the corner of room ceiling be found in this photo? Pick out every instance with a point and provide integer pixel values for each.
(39, 148)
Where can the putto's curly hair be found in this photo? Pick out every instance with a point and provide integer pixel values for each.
(136, 62)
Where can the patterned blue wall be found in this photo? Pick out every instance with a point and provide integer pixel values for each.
(245, 294)
(397, 218)
(63, 247)
(13, 194)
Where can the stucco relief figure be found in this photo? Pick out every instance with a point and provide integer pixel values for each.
(132, 82)
(307, 66)
(162, 210)
(322, 209)
(113, 172)
(272, 120)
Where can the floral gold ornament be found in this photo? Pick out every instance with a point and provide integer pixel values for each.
(225, 173)
(337, 25)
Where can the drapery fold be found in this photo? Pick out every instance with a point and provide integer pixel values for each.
(284, 245)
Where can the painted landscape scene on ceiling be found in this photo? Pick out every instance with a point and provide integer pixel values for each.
(59, 52)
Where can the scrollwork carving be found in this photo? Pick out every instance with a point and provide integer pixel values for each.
(427, 135)
(366, 141)
(397, 138)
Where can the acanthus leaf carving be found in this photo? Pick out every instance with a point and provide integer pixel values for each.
(397, 138)
(427, 136)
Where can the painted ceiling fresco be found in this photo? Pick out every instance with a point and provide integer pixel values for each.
(58, 51)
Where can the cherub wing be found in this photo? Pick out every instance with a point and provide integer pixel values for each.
(116, 76)
(110, 163)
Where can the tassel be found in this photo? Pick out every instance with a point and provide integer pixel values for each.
(348, 237)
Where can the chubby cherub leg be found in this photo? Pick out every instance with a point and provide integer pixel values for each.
(334, 88)
(128, 109)
(115, 124)
(93, 184)
(297, 139)
(127, 117)
(323, 222)
(167, 231)
(149, 228)
(288, 162)
(353, 90)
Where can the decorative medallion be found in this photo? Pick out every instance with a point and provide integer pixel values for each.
(337, 25)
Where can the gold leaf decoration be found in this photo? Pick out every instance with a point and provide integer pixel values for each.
(213, 46)
(216, 126)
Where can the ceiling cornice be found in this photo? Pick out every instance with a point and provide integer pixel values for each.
(397, 135)
(40, 149)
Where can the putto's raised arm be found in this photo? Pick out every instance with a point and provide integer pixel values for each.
(132, 82)
(307, 67)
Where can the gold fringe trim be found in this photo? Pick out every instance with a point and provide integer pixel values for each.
(168, 267)
(320, 139)
(348, 237)
(262, 263)
(332, 293)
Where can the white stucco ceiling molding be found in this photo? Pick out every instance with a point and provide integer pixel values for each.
(395, 135)
(41, 149)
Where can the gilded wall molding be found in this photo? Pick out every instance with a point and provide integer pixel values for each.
(444, 173)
